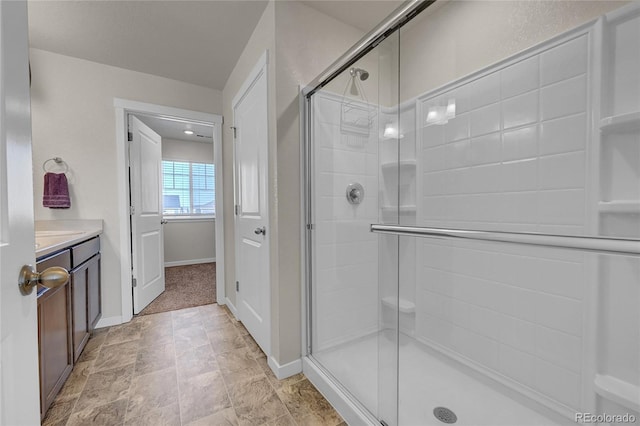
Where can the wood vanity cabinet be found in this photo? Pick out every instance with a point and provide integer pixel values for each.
(85, 289)
(54, 333)
(67, 315)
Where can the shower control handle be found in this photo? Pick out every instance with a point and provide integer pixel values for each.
(262, 231)
(355, 193)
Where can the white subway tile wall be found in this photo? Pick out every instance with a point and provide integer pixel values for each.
(514, 162)
(346, 253)
(518, 137)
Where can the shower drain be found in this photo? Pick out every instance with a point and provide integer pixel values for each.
(445, 415)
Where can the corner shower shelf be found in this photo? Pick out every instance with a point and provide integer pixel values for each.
(621, 122)
(403, 164)
(618, 391)
(402, 305)
(621, 206)
(395, 209)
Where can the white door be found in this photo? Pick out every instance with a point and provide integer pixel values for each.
(19, 394)
(145, 162)
(251, 183)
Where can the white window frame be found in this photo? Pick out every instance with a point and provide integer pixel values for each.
(190, 216)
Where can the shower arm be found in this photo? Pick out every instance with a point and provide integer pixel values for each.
(619, 246)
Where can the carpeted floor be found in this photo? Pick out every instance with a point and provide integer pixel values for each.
(185, 287)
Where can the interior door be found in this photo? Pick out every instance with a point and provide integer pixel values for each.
(19, 403)
(145, 162)
(251, 184)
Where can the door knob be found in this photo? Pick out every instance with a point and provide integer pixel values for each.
(52, 277)
(164, 222)
(262, 231)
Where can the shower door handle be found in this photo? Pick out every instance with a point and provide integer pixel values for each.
(262, 231)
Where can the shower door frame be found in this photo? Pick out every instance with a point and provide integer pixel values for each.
(391, 24)
(350, 409)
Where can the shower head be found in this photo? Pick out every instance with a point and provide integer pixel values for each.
(360, 73)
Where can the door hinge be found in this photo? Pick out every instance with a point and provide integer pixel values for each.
(132, 210)
(237, 209)
(134, 282)
(235, 131)
(237, 285)
(310, 226)
(130, 136)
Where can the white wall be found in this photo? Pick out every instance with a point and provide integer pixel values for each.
(173, 149)
(73, 118)
(188, 240)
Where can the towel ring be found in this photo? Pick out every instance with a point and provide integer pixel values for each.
(59, 161)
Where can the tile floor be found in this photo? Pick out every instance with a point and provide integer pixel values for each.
(195, 366)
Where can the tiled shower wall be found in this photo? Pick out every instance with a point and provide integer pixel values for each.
(346, 254)
(513, 159)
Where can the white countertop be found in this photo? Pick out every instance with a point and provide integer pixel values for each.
(54, 235)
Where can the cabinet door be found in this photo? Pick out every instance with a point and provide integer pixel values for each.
(79, 279)
(54, 334)
(94, 298)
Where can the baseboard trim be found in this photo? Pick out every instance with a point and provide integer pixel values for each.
(287, 370)
(109, 321)
(189, 262)
(232, 308)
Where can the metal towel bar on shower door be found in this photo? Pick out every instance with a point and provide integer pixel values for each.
(609, 245)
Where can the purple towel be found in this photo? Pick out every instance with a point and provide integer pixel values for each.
(56, 191)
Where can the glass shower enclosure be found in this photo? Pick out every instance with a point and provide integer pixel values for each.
(473, 217)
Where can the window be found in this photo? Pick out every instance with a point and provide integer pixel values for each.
(188, 188)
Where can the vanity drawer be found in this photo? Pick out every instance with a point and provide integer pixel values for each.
(62, 258)
(84, 251)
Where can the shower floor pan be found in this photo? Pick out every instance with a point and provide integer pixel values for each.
(427, 382)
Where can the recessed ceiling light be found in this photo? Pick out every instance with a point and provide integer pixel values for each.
(188, 132)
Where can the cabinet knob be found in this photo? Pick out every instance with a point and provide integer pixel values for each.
(52, 277)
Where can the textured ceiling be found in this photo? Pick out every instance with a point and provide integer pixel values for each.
(197, 42)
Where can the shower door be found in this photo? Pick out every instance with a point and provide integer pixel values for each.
(354, 291)
(519, 189)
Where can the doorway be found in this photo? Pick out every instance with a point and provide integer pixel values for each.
(187, 198)
(184, 209)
